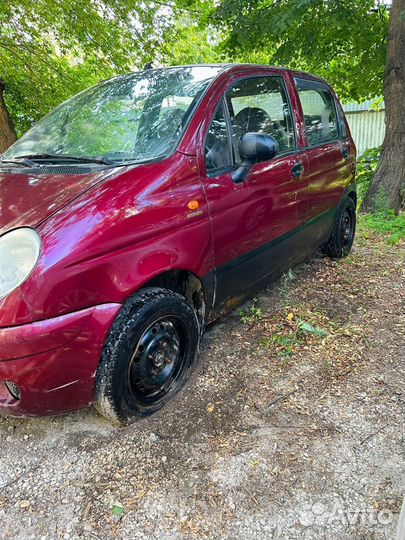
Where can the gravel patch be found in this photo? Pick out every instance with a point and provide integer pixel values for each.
(285, 433)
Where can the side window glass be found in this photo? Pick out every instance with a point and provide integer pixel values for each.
(343, 127)
(217, 147)
(319, 113)
(260, 105)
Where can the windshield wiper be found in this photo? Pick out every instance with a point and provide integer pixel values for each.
(23, 162)
(103, 160)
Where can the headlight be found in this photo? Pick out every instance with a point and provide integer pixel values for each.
(19, 252)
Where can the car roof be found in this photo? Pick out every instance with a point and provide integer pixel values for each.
(230, 66)
(294, 72)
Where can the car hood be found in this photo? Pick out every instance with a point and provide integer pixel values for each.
(26, 200)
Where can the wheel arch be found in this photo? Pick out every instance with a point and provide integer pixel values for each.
(353, 195)
(188, 285)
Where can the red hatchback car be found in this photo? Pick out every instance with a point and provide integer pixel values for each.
(145, 207)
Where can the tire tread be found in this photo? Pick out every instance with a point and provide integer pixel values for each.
(104, 401)
(333, 247)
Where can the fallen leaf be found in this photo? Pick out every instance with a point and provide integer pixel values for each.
(117, 510)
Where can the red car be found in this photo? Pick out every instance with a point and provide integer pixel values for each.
(145, 207)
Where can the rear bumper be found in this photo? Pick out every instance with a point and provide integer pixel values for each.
(53, 362)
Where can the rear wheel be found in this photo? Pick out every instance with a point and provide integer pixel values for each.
(148, 356)
(341, 239)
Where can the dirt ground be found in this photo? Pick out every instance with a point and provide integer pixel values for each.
(293, 429)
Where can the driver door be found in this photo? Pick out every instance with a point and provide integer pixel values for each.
(253, 220)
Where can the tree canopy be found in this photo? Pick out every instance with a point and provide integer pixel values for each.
(52, 49)
(341, 40)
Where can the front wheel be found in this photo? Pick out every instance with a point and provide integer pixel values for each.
(341, 239)
(148, 356)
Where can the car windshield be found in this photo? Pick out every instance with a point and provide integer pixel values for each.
(130, 118)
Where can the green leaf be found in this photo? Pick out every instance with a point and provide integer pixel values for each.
(307, 328)
(117, 510)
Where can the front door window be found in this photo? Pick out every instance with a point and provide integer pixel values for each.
(260, 105)
(218, 156)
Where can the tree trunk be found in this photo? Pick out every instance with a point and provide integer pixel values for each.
(388, 186)
(7, 130)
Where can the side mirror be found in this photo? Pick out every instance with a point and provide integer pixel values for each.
(253, 148)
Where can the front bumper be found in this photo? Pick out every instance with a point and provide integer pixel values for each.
(53, 362)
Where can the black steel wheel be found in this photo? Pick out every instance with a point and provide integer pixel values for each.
(148, 356)
(159, 360)
(341, 239)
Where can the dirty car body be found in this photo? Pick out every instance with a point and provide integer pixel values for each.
(181, 187)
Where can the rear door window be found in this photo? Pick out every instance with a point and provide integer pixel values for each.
(318, 107)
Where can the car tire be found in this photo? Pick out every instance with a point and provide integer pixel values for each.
(148, 356)
(341, 239)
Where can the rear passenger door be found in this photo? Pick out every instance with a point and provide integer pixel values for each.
(328, 155)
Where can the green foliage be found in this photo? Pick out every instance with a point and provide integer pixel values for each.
(345, 42)
(387, 223)
(252, 315)
(192, 43)
(365, 168)
(284, 344)
(292, 336)
(307, 328)
(52, 49)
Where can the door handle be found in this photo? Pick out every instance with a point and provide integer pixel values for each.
(345, 153)
(298, 170)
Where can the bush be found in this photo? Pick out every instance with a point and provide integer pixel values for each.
(366, 166)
